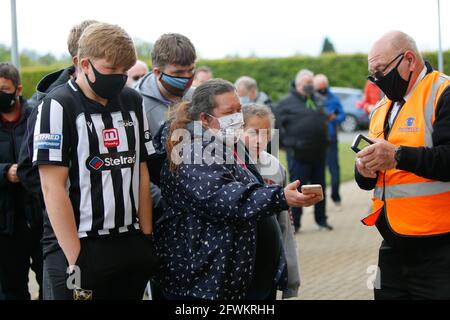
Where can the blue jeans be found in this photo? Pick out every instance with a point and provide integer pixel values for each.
(335, 171)
(308, 173)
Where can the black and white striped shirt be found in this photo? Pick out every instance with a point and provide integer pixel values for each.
(103, 147)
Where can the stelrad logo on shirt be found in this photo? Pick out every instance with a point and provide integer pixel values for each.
(111, 161)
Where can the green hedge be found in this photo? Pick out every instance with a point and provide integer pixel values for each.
(273, 74)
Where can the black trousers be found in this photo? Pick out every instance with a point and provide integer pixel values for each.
(414, 272)
(335, 169)
(112, 267)
(19, 252)
(309, 173)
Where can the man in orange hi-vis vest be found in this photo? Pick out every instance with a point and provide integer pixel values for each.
(408, 166)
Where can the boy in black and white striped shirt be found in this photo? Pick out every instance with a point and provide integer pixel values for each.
(91, 143)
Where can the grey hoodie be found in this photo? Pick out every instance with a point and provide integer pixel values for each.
(155, 104)
(156, 108)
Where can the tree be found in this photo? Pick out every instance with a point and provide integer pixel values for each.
(327, 46)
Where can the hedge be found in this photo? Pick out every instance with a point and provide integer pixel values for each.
(273, 74)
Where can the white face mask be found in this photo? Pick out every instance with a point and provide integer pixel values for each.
(231, 126)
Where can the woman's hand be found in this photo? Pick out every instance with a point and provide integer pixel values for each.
(294, 198)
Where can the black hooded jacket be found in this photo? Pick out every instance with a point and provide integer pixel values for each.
(28, 175)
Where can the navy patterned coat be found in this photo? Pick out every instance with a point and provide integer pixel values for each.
(207, 234)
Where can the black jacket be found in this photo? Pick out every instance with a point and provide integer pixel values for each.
(28, 175)
(303, 132)
(49, 82)
(15, 203)
(431, 163)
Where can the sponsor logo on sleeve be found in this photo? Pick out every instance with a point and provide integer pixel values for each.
(111, 161)
(46, 141)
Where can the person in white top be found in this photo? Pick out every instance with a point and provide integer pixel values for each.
(259, 123)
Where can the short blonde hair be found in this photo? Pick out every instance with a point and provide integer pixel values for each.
(108, 41)
(258, 110)
(75, 34)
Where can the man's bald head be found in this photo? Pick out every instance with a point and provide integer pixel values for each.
(136, 72)
(320, 82)
(396, 49)
(390, 45)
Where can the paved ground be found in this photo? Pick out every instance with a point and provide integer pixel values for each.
(334, 264)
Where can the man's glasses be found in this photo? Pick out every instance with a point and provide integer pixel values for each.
(380, 74)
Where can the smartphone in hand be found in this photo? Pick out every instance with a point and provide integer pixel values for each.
(313, 189)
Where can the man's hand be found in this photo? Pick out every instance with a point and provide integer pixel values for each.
(378, 156)
(363, 170)
(331, 116)
(297, 199)
(60, 210)
(11, 175)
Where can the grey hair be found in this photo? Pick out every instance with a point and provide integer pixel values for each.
(259, 110)
(303, 73)
(247, 82)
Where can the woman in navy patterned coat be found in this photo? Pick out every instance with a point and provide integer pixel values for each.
(218, 208)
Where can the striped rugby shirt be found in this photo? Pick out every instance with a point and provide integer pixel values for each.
(103, 147)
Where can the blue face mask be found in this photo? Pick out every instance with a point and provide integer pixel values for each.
(244, 100)
(175, 85)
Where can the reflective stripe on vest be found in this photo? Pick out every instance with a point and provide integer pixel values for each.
(429, 109)
(412, 190)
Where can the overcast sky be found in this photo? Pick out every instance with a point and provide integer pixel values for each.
(267, 28)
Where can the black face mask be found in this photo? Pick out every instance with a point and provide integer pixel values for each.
(392, 84)
(7, 101)
(322, 92)
(107, 86)
(308, 89)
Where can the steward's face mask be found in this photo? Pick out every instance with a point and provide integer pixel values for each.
(176, 86)
(392, 84)
(231, 127)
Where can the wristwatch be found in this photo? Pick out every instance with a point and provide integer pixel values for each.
(397, 155)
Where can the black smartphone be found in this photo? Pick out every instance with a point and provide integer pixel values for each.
(360, 143)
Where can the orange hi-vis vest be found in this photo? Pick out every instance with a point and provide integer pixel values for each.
(414, 206)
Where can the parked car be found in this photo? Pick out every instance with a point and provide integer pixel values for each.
(355, 118)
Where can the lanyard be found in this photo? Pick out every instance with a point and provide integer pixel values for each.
(238, 160)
